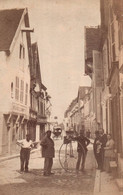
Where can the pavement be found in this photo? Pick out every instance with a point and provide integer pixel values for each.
(105, 184)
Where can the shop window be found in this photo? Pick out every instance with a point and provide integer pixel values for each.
(17, 88)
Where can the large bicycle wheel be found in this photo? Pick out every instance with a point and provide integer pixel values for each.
(68, 155)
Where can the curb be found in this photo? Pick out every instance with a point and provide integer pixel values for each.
(15, 156)
(18, 155)
(97, 184)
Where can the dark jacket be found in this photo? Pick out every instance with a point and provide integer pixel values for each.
(48, 150)
(103, 140)
(83, 142)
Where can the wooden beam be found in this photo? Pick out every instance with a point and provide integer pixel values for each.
(27, 29)
(9, 118)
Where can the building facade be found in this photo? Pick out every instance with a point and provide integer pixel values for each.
(24, 99)
(15, 77)
(103, 63)
(93, 68)
(111, 48)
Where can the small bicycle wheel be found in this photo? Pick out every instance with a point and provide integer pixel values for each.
(68, 155)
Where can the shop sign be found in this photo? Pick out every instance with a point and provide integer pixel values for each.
(19, 109)
(42, 120)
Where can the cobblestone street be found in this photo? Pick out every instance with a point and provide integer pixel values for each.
(62, 183)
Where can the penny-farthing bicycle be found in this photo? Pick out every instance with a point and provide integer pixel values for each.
(68, 153)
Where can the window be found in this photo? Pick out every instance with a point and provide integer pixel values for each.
(21, 91)
(11, 90)
(22, 57)
(26, 94)
(113, 53)
(22, 51)
(13, 130)
(17, 88)
(42, 107)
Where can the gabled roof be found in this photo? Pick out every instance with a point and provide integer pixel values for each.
(92, 40)
(9, 21)
(82, 91)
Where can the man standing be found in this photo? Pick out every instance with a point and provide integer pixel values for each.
(83, 142)
(26, 145)
(103, 140)
(48, 153)
(97, 149)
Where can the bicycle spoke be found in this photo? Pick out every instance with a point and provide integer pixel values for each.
(68, 155)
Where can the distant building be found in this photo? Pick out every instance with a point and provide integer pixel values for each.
(83, 107)
(77, 115)
(71, 116)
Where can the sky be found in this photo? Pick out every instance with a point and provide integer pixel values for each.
(59, 31)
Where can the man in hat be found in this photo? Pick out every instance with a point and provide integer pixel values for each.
(83, 142)
(26, 145)
(48, 152)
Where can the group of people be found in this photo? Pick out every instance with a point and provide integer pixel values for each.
(103, 147)
(103, 150)
(48, 152)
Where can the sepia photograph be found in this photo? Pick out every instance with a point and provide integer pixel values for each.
(61, 97)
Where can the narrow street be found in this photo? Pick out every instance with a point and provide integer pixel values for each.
(62, 183)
